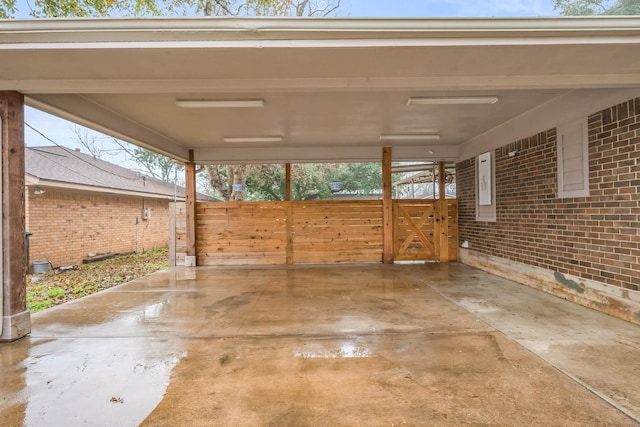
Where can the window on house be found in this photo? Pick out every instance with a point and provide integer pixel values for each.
(573, 159)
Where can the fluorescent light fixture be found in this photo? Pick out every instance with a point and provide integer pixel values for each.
(220, 103)
(409, 137)
(453, 100)
(251, 139)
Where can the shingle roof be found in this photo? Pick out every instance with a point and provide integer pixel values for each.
(64, 165)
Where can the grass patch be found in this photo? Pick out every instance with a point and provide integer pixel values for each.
(56, 288)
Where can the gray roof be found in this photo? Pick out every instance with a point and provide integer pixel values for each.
(67, 166)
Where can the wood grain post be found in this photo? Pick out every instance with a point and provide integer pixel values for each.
(443, 214)
(16, 320)
(289, 213)
(172, 234)
(387, 207)
(190, 199)
(287, 182)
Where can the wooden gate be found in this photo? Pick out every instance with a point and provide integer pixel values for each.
(425, 230)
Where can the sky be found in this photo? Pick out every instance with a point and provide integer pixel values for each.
(62, 132)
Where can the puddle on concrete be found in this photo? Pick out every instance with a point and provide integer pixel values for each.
(345, 351)
(90, 379)
(157, 310)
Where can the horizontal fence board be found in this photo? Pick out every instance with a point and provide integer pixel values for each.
(237, 233)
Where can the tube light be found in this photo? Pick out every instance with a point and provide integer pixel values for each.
(252, 139)
(426, 137)
(454, 100)
(220, 103)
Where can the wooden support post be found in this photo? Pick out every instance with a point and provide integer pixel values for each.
(190, 199)
(172, 234)
(289, 213)
(287, 182)
(387, 207)
(15, 318)
(443, 212)
(441, 181)
(289, 247)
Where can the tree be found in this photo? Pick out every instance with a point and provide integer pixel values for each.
(92, 144)
(158, 166)
(311, 181)
(597, 7)
(7, 8)
(91, 8)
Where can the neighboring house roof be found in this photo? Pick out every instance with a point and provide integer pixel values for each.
(68, 168)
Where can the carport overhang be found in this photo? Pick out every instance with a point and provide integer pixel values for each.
(330, 89)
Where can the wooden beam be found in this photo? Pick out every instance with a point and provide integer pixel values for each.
(289, 210)
(16, 320)
(442, 181)
(289, 244)
(190, 199)
(287, 182)
(387, 206)
(443, 215)
(172, 234)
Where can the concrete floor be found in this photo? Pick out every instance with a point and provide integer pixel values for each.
(349, 345)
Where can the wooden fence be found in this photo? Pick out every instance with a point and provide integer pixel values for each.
(314, 232)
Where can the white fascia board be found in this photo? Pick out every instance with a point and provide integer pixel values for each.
(273, 28)
(107, 190)
(31, 180)
(449, 41)
(319, 154)
(279, 85)
(565, 108)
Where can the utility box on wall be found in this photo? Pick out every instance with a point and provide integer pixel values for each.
(146, 213)
(484, 179)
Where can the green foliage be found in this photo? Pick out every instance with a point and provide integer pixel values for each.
(88, 8)
(157, 165)
(597, 7)
(55, 292)
(7, 8)
(311, 181)
(39, 305)
(97, 8)
(56, 288)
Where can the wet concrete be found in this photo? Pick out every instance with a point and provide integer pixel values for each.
(347, 345)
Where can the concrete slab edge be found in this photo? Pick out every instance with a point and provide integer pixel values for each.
(618, 302)
(634, 415)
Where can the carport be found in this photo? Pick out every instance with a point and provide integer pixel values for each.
(258, 90)
(540, 116)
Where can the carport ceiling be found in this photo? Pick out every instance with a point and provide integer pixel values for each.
(330, 87)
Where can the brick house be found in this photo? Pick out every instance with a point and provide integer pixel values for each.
(77, 205)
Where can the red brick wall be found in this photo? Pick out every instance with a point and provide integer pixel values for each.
(595, 237)
(67, 225)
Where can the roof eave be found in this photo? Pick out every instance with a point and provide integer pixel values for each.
(156, 29)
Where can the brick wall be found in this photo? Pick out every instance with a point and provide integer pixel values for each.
(594, 238)
(67, 225)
